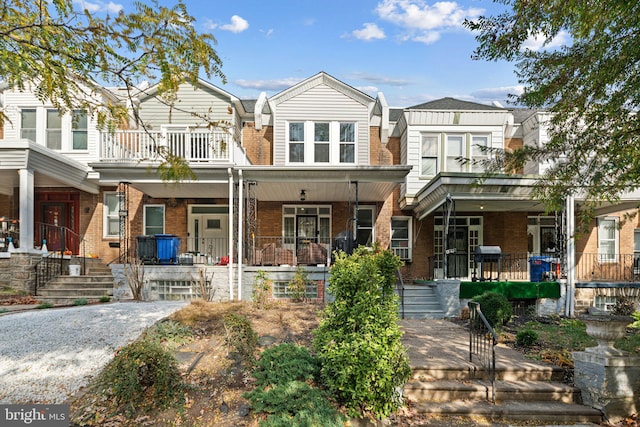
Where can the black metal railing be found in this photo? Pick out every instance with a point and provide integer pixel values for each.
(53, 263)
(482, 344)
(400, 291)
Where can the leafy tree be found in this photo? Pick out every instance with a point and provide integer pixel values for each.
(591, 87)
(65, 55)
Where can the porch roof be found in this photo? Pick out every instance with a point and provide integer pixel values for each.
(50, 168)
(500, 193)
(325, 184)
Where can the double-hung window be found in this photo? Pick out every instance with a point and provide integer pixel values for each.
(28, 124)
(429, 155)
(296, 142)
(110, 214)
(79, 130)
(153, 219)
(479, 153)
(607, 238)
(401, 237)
(54, 130)
(347, 142)
(455, 149)
(321, 141)
(365, 232)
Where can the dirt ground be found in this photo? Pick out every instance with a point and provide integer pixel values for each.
(217, 381)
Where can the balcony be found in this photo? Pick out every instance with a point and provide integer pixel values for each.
(196, 145)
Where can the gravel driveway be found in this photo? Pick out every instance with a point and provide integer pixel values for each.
(47, 355)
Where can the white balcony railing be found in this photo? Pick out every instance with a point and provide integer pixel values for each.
(194, 145)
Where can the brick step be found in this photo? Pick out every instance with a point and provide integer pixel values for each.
(449, 390)
(513, 410)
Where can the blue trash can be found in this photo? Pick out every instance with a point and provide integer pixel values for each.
(168, 247)
(540, 268)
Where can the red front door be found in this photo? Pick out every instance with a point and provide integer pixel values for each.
(57, 221)
(54, 219)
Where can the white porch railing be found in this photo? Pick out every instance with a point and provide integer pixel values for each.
(194, 145)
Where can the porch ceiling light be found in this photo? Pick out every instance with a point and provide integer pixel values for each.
(303, 195)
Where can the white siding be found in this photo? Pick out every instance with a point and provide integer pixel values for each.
(322, 103)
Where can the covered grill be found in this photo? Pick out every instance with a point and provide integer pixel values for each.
(490, 255)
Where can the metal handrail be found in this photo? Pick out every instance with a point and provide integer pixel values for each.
(52, 265)
(400, 289)
(482, 343)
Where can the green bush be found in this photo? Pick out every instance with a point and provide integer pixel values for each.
(526, 338)
(105, 298)
(169, 333)
(284, 375)
(45, 304)
(262, 290)
(363, 362)
(297, 287)
(240, 337)
(495, 307)
(80, 301)
(142, 375)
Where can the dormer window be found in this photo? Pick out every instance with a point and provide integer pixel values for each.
(321, 142)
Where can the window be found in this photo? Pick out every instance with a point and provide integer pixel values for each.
(429, 156)
(321, 143)
(28, 124)
(111, 220)
(347, 142)
(479, 144)
(153, 219)
(79, 129)
(54, 130)
(365, 235)
(401, 237)
(604, 302)
(455, 149)
(296, 142)
(607, 239)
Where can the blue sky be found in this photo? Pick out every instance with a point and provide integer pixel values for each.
(411, 50)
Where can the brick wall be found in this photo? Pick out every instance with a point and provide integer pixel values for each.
(258, 143)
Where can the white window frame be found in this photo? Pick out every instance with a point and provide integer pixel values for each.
(309, 143)
(371, 208)
(404, 252)
(604, 225)
(51, 131)
(144, 222)
(79, 131)
(324, 144)
(476, 153)
(33, 130)
(106, 216)
(432, 156)
(452, 157)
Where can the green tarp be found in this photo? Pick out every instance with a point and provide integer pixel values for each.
(512, 290)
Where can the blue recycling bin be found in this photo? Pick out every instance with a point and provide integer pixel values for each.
(540, 267)
(167, 246)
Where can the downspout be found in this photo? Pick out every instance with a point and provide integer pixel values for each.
(571, 257)
(230, 243)
(240, 226)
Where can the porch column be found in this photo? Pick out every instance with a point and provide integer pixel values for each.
(571, 256)
(240, 227)
(230, 243)
(27, 206)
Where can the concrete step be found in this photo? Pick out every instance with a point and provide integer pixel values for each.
(96, 292)
(513, 410)
(420, 302)
(525, 372)
(449, 390)
(68, 299)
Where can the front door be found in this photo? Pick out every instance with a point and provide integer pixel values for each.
(208, 232)
(307, 236)
(54, 218)
(458, 252)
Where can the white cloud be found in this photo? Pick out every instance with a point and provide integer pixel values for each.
(271, 85)
(422, 22)
(372, 90)
(370, 32)
(237, 25)
(537, 42)
(502, 94)
(379, 80)
(93, 7)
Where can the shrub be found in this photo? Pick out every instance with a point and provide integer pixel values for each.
(363, 363)
(45, 304)
(142, 375)
(262, 290)
(240, 337)
(80, 301)
(169, 333)
(526, 338)
(283, 376)
(495, 307)
(105, 298)
(297, 287)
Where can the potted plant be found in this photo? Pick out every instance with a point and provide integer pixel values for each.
(606, 327)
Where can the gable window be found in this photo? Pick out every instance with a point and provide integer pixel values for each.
(296, 142)
(401, 237)
(153, 219)
(321, 143)
(347, 142)
(28, 124)
(79, 130)
(111, 220)
(429, 155)
(607, 238)
(54, 130)
(455, 149)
